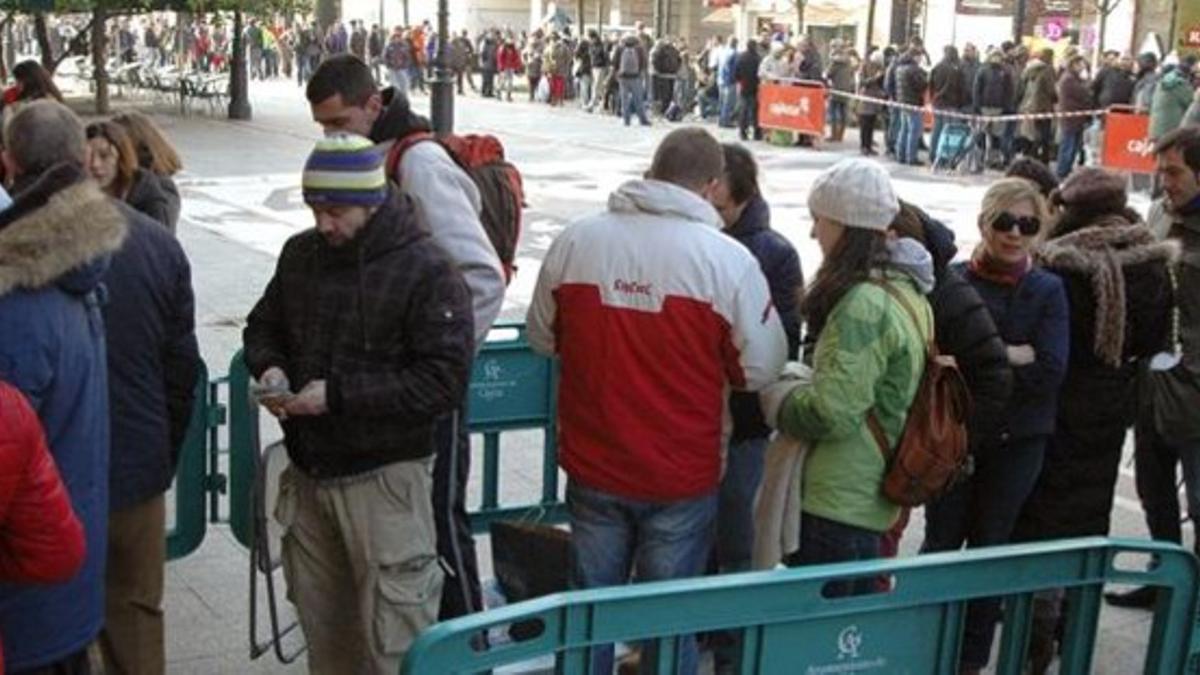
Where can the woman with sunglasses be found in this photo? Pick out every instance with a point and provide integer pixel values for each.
(1119, 288)
(1029, 307)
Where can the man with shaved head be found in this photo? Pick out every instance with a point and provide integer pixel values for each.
(655, 314)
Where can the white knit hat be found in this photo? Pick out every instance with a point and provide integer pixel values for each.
(855, 192)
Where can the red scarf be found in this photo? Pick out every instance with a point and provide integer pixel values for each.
(997, 271)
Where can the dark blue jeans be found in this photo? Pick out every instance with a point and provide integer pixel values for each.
(1068, 149)
(735, 511)
(612, 536)
(912, 128)
(982, 511)
(824, 541)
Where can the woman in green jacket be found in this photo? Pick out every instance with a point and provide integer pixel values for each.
(1171, 100)
(868, 360)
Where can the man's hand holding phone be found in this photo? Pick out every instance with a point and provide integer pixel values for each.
(273, 391)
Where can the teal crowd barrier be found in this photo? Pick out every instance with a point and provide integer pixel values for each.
(191, 477)
(789, 627)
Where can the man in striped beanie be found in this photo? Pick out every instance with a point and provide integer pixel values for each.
(362, 340)
(344, 184)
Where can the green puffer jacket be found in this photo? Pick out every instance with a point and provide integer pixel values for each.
(1171, 100)
(869, 355)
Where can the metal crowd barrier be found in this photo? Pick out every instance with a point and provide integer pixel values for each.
(512, 389)
(789, 627)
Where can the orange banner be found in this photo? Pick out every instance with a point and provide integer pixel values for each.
(793, 106)
(1126, 146)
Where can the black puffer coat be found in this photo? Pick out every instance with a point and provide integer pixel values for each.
(965, 330)
(1119, 315)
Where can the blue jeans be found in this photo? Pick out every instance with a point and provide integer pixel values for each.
(824, 541)
(612, 536)
(728, 103)
(837, 111)
(633, 96)
(912, 127)
(893, 130)
(939, 123)
(735, 511)
(979, 512)
(1068, 150)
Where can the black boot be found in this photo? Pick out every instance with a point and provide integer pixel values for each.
(1138, 598)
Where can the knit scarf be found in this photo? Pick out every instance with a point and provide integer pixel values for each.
(988, 267)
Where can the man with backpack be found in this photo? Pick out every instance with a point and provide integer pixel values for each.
(448, 204)
(665, 61)
(630, 59)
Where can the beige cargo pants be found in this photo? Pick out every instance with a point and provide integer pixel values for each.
(360, 559)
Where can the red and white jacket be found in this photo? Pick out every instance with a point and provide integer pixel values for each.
(655, 314)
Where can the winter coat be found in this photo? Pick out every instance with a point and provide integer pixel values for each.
(557, 59)
(726, 72)
(583, 59)
(946, 84)
(598, 53)
(534, 64)
(1143, 90)
(1120, 298)
(841, 74)
(964, 329)
(1174, 397)
(153, 360)
(509, 59)
(1037, 91)
(869, 357)
(1073, 96)
(1113, 86)
(447, 205)
(43, 540)
(385, 321)
(630, 42)
(55, 243)
(994, 87)
(398, 55)
(665, 59)
(870, 83)
(746, 72)
(1191, 118)
(462, 55)
(781, 266)
(147, 195)
(911, 82)
(970, 68)
(809, 65)
(773, 67)
(1172, 97)
(488, 50)
(654, 313)
(1032, 313)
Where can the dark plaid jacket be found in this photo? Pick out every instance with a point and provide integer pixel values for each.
(386, 322)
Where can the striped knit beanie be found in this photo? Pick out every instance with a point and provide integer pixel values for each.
(345, 170)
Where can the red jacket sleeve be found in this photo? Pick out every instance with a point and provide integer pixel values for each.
(41, 539)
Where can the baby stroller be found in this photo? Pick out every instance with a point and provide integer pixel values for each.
(954, 145)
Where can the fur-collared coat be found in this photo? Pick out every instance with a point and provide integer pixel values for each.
(1119, 290)
(55, 244)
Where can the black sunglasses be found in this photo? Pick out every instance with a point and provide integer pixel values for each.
(1028, 225)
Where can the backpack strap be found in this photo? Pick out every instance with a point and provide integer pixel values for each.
(931, 349)
(401, 146)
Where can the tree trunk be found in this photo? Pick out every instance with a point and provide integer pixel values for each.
(800, 5)
(42, 33)
(329, 12)
(582, 20)
(99, 49)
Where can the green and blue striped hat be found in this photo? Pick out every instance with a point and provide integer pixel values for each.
(345, 170)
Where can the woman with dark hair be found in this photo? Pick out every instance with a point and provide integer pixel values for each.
(1118, 286)
(1029, 307)
(747, 218)
(868, 312)
(33, 82)
(113, 163)
(157, 156)
(1034, 171)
